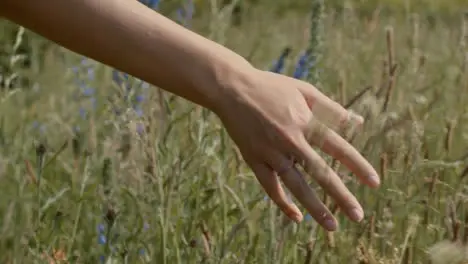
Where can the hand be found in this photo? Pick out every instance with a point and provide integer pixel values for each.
(273, 119)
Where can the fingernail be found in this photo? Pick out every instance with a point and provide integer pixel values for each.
(374, 180)
(355, 118)
(357, 214)
(330, 224)
(296, 218)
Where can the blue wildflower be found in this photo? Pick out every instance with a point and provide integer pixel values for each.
(82, 112)
(101, 228)
(185, 14)
(140, 128)
(93, 102)
(153, 4)
(88, 91)
(139, 98)
(85, 62)
(102, 240)
(39, 127)
(138, 111)
(91, 73)
(278, 66)
(120, 78)
(301, 68)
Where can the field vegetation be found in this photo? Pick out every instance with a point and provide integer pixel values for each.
(99, 167)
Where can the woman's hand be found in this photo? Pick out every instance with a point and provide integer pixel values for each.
(273, 119)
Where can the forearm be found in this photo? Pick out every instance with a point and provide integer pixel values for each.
(129, 36)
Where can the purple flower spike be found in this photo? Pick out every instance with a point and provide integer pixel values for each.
(140, 129)
(101, 228)
(139, 98)
(88, 91)
(138, 111)
(278, 67)
(91, 74)
(185, 14)
(102, 240)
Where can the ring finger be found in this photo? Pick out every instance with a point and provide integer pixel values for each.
(295, 182)
(315, 166)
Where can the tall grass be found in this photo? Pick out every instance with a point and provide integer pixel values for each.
(90, 178)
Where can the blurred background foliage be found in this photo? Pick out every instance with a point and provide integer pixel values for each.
(446, 11)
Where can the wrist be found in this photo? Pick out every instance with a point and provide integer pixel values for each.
(223, 81)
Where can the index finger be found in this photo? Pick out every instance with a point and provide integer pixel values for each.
(336, 146)
(329, 112)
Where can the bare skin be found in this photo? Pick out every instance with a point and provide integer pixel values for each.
(272, 118)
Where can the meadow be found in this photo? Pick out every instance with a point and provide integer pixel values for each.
(99, 167)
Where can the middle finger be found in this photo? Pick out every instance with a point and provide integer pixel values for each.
(315, 166)
(336, 146)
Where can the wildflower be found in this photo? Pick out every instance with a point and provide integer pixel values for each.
(278, 66)
(39, 127)
(91, 73)
(82, 112)
(140, 128)
(185, 14)
(138, 111)
(102, 240)
(93, 102)
(88, 91)
(139, 98)
(121, 78)
(101, 228)
(153, 4)
(303, 65)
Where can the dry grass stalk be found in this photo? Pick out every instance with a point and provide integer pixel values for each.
(342, 89)
(450, 126)
(465, 231)
(206, 239)
(371, 230)
(309, 251)
(455, 223)
(30, 172)
(383, 167)
(432, 183)
(391, 67)
(356, 98)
